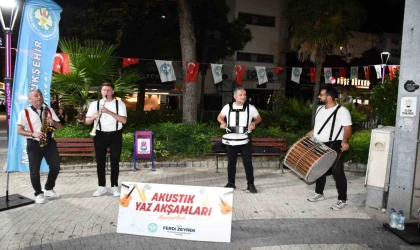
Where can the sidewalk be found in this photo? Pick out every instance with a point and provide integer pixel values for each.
(278, 217)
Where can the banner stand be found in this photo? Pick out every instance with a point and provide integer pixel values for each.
(143, 147)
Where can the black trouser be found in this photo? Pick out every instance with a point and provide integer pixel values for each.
(35, 156)
(337, 171)
(102, 141)
(246, 152)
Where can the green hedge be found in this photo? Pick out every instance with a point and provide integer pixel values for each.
(178, 141)
(359, 147)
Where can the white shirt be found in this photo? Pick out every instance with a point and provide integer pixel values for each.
(108, 123)
(35, 120)
(343, 118)
(253, 112)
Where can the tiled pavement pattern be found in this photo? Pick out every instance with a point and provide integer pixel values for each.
(278, 217)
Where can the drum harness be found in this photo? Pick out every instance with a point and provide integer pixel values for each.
(334, 116)
(236, 128)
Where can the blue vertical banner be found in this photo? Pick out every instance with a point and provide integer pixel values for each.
(37, 45)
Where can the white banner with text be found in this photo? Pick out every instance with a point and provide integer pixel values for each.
(176, 211)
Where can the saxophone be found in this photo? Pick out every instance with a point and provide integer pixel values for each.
(46, 129)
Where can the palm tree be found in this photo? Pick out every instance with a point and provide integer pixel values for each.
(319, 27)
(91, 62)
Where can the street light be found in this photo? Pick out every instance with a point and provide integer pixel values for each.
(11, 8)
(384, 57)
(8, 5)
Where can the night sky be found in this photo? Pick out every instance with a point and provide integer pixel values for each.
(384, 16)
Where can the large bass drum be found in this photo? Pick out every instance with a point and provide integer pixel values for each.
(235, 139)
(310, 158)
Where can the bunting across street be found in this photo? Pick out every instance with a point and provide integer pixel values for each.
(216, 70)
(354, 72)
(129, 61)
(327, 75)
(240, 71)
(62, 63)
(166, 71)
(261, 74)
(378, 71)
(296, 74)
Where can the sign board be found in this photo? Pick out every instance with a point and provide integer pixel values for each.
(176, 211)
(143, 146)
(408, 106)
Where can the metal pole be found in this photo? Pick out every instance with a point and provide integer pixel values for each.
(8, 76)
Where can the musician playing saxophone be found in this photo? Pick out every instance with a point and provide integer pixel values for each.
(31, 123)
(110, 118)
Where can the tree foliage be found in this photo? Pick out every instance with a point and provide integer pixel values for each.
(318, 27)
(91, 62)
(384, 100)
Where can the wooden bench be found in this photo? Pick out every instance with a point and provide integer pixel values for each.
(260, 147)
(75, 147)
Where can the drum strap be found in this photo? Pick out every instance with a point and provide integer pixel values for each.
(246, 106)
(334, 116)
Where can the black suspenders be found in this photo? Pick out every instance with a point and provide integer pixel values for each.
(334, 116)
(116, 107)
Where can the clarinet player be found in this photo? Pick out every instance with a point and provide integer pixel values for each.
(31, 123)
(109, 116)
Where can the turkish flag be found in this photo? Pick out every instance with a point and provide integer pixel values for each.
(277, 70)
(367, 72)
(192, 72)
(313, 74)
(128, 61)
(392, 70)
(240, 71)
(342, 72)
(62, 63)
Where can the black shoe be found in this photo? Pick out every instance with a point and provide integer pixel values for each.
(230, 185)
(251, 188)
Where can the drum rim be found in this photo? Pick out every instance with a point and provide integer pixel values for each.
(236, 139)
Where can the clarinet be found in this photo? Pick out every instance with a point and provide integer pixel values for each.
(93, 132)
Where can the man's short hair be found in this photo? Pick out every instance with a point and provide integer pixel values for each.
(330, 91)
(35, 90)
(239, 88)
(107, 84)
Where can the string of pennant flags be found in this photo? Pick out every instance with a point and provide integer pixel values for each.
(167, 73)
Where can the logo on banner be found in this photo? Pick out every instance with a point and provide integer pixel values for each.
(152, 227)
(218, 70)
(166, 69)
(261, 73)
(354, 71)
(296, 72)
(43, 22)
(143, 146)
(328, 74)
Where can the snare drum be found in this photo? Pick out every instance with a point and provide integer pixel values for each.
(310, 158)
(235, 139)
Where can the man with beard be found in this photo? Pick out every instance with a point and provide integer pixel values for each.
(333, 128)
(241, 117)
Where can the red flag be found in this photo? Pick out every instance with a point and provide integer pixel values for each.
(392, 70)
(240, 71)
(62, 63)
(277, 70)
(367, 72)
(128, 61)
(192, 72)
(342, 72)
(313, 74)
